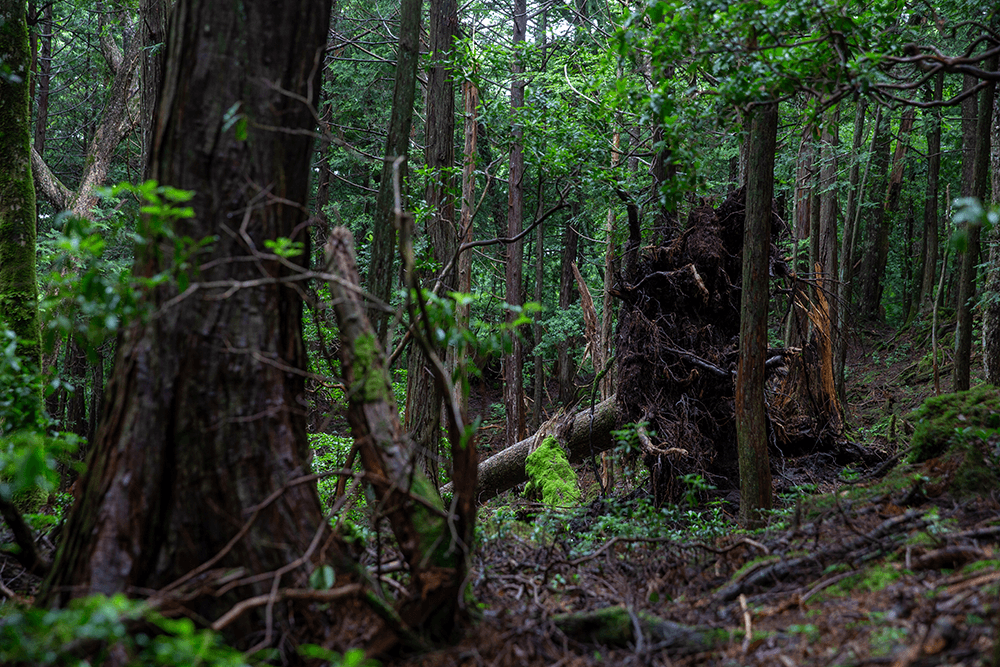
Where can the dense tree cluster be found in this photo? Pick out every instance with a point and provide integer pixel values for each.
(495, 185)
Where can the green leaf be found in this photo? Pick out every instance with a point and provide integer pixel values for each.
(322, 578)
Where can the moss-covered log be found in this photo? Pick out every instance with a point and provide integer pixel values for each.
(581, 435)
(615, 626)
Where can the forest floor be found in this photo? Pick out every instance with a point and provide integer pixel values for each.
(861, 563)
(879, 566)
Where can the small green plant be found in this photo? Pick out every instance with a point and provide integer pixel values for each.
(694, 487)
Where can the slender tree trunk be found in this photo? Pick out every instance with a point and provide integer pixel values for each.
(991, 316)
(152, 32)
(18, 286)
(751, 419)
(933, 130)
(381, 273)
(567, 295)
(513, 389)
(423, 396)
(876, 227)
(471, 99)
(846, 276)
(538, 397)
(830, 143)
(797, 327)
(44, 79)
(204, 423)
(970, 258)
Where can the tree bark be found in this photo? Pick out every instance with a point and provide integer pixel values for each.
(152, 34)
(513, 390)
(830, 144)
(797, 327)
(751, 418)
(846, 277)
(18, 284)
(381, 272)
(876, 228)
(44, 78)
(423, 397)
(471, 99)
(991, 316)
(567, 295)
(930, 244)
(970, 258)
(201, 453)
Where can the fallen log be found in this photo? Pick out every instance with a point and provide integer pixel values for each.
(581, 435)
(617, 626)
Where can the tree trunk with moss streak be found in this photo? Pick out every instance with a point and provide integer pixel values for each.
(18, 286)
(204, 421)
(991, 316)
(391, 460)
(751, 428)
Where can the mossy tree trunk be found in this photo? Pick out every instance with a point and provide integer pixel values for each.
(751, 417)
(201, 450)
(18, 285)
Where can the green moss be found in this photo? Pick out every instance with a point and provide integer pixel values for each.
(372, 384)
(551, 476)
(940, 417)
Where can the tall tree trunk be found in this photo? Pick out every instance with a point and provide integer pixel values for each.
(152, 33)
(751, 426)
(991, 316)
(381, 273)
(970, 258)
(470, 95)
(44, 79)
(846, 277)
(797, 327)
(931, 227)
(204, 420)
(423, 396)
(830, 143)
(512, 386)
(567, 295)
(18, 286)
(876, 227)
(538, 396)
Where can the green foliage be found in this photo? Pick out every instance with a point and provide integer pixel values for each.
(355, 657)
(89, 628)
(551, 476)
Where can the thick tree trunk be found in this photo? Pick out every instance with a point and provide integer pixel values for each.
(970, 258)
(201, 454)
(18, 286)
(513, 391)
(876, 227)
(751, 418)
(797, 327)
(829, 270)
(930, 256)
(381, 274)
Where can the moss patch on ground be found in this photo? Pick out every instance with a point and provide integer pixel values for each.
(550, 475)
(941, 420)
